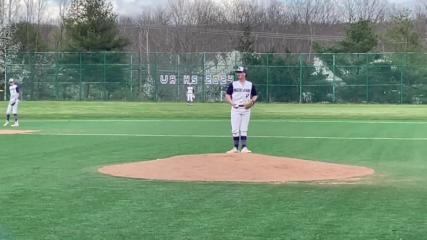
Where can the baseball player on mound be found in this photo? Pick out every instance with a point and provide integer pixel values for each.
(12, 107)
(241, 95)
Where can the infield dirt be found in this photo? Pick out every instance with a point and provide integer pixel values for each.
(13, 132)
(237, 167)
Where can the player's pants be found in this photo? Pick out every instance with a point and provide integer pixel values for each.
(240, 121)
(12, 109)
(190, 97)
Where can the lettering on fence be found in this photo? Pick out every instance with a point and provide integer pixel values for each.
(210, 79)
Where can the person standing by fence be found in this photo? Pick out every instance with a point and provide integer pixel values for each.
(190, 94)
(13, 105)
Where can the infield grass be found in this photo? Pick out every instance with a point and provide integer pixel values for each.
(50, 189)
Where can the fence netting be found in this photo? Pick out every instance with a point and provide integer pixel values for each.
(303, 78)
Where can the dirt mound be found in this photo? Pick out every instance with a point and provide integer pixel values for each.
(236, 168)
(13, 132)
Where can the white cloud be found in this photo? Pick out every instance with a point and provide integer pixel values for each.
(121, 7)
(134, 7)
(404, 3)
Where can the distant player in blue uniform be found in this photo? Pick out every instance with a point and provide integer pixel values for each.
(13, 105)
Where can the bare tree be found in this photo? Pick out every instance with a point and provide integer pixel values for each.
(62, 8)
(40, 8)
(269, 25)
(29, 11)
(421, 17)
(190, 19)
(9, 10)
(355, 10)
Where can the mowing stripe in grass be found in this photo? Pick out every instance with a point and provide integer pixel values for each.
(224, 136)
(223, 120)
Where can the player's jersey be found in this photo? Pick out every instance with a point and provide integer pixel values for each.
(14, 92)
(190, 90)
(241, 94)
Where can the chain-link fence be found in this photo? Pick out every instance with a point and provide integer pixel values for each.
(332, 78)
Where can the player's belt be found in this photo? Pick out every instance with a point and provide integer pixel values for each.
(238, 106)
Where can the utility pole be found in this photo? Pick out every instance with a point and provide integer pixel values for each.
(147, 51)
(3, 41)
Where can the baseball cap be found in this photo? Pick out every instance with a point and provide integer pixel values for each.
(240, 70)
(11, 80)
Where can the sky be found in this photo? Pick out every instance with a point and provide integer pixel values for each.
(122, 7)
(133, 7)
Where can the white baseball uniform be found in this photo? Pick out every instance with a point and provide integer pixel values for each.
(190, 94)
(240, 94)
(14, 99)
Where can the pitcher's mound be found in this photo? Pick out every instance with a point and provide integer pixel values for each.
(13, 132)
(236, 168)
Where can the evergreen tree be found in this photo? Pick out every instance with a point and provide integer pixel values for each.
(359, 38)
(91, 25)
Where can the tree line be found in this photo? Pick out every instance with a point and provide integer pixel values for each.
(212, 26)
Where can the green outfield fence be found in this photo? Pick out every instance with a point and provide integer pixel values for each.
(304, 78)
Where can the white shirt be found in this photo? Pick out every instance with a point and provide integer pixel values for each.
(190, 90)
(241, 93)
(14, 92)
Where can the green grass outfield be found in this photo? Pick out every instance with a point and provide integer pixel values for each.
(50, 189)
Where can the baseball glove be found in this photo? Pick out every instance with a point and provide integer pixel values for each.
(249, 104)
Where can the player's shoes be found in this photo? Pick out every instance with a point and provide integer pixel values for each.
(245, 150)
(233, 150)
(16, 124)
(6, 123)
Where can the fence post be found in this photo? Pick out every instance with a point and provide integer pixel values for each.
(401, 76)
(178, 65)
(203, 78)
(268, 78)
(5, 75)
(56, 74)
(80, 76)
(333, 78)
(300, 77)
(156, 87)
(33, 85)
(131, 75)
(367, 78)
(105, 76)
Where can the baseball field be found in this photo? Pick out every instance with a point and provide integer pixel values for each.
(50, 187)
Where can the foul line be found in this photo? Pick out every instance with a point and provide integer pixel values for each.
(224, 136)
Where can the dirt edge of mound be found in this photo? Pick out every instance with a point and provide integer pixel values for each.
(241, 168)
(16, 131)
